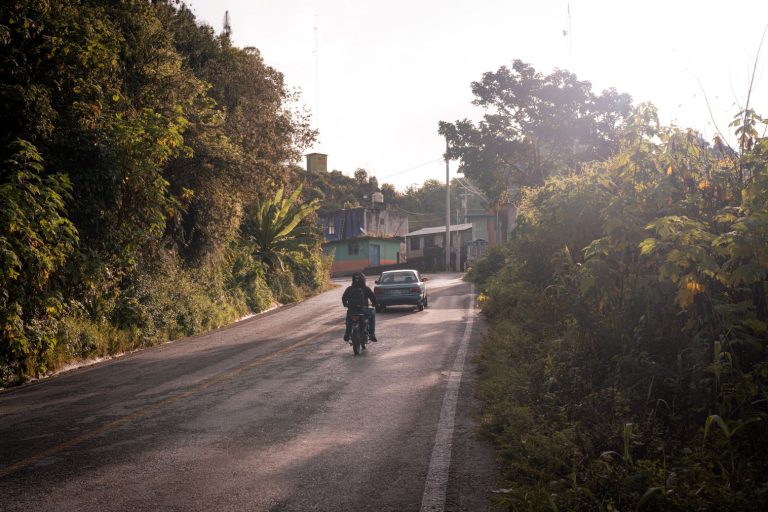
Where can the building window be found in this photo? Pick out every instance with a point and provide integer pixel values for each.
(331, 229)
(415, 245)
(354, 248)
(429, 241)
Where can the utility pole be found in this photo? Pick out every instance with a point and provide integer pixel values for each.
(464, 202)
(447, 212)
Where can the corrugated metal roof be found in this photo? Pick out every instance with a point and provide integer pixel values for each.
(439, 229)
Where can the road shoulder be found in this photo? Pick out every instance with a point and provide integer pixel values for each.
(474, 472)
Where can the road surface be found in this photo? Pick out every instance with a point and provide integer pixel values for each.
(272, 413)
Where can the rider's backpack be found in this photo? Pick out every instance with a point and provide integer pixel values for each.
(356, 299)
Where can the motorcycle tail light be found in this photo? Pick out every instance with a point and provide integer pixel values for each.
(355, 318)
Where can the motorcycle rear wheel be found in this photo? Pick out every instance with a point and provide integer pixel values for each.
(356, 341)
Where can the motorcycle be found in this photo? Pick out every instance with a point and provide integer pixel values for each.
(359, 333)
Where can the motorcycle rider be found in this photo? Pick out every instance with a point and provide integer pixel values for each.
(355, 299)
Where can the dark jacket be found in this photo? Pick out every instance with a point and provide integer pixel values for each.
(367, 293)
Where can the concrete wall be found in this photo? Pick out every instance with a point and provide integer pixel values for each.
(458, 240)
(385, 223)
(363, 222)
(345, 263)
(389, 251)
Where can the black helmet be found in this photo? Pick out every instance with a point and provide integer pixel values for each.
(358, 279)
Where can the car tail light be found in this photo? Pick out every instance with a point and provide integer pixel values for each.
(415, 289)
(377, 291)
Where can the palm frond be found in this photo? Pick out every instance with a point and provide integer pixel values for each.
(276, 230)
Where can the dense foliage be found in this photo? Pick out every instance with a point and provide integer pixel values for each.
(535, 126)
(627, 363)
(134, 142)
(424, 203)
(274, 228)
(335, 191)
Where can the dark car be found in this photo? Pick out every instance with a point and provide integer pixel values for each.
(401, 288)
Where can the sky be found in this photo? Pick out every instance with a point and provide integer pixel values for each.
(378, 77)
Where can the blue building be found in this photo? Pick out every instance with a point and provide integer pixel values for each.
(359, 238)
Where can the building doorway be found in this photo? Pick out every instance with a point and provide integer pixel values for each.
(375, 255)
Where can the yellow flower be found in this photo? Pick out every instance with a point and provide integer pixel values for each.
(688, 292)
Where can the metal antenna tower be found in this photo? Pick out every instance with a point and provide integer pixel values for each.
(227, 27)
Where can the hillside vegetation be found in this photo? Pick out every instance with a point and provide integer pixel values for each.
(626, 367)
(139, 154)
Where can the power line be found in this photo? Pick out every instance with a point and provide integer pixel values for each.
(410, 213)
(413, 168)
(470, 188)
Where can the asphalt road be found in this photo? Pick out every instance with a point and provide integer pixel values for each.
(272, 413)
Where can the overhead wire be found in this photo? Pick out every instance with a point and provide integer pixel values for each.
(412, 168)
(410, 213)
(470, 188)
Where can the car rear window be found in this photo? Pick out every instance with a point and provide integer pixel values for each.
(398, 278)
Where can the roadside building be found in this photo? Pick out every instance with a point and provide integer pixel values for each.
(364, 238)
(493, 226)
(426, 247)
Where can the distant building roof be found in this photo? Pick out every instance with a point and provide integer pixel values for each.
(478, 213)
(439, 229)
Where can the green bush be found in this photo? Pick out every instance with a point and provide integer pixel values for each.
(626, 363)
(36, 239)
(166, 301)
(486, 268)
(311, 270)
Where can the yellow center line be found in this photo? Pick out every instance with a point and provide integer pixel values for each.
(217, 379)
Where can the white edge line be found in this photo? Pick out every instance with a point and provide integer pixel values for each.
(436, 484)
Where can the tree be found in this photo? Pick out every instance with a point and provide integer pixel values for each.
(361, 176)
(336, 191)
(246, 131)
(36, 239)
(274, 227)
(133, 142)
(426, 203)
(535, 126)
